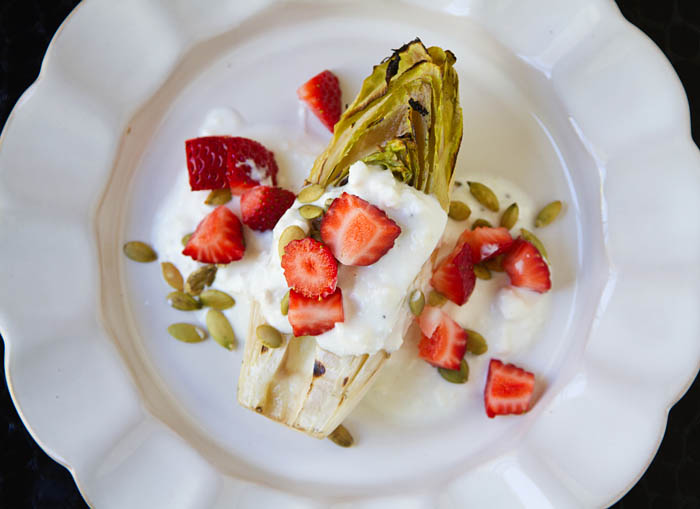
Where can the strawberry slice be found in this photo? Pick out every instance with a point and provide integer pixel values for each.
(454, 276)
(262, 206)
(309, 268)
(206, 162)
(248, 164)
(357, 232)
(322, 94)
(217, 239)
(508, 389)
(217, 162)
(314, 316)
(526, 268)
(443, 341)
(486, 242)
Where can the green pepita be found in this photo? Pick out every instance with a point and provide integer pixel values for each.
(456, 376)
(341, 436)
(484, 195)
(328, 203)
(532, 239)
(436, 299)
(310, 211)
(220, 329)
(481, 272)
(416, 302)
(459, 211)
(203, 276)
(310, 194)
(185, 239)
(216, 299)
(510, 216)
(269, 336)
(548, 214)
(139, 252)
(187, 333)
(289, 234)
(182, 301)
(172, 276)
(476, 344)
(218, 197)
(480, 223)
(284, 304)
(494, 264)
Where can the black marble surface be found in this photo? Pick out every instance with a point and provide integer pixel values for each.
(29, 478)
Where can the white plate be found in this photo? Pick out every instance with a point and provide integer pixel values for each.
(565, 98)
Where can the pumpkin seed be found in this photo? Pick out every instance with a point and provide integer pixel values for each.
(481, 272)
(218, 197)
(187, 333)
(459, 211)
(284, 305)
(310, 211)
(139, 252)
(341, 436)
(456, 376)
(269, 336)
(310, 194)
(510, 216)
(436, 299)
(548, 214)
(532, 239)
(216, 299)
(183, 301)
(289, 234)
(328, 203)
(172, 276)
(185, 239)
(484, 195)
(479, 223)
(494, 264)
(476, 344)
(416, 302)
(203, 276)
(220, 329)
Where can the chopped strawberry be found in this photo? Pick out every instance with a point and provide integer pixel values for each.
(454, 276)
(508, 389)
(526, 268)
(322, 94)
(248, 163)
(357, 232)
(486, 242)
(443, 341)
(262, 206)
(206, 162)
(217, 162)
(314, 316)
(217, 239)
(309, 268)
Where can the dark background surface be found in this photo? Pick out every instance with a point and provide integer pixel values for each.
(29, 478)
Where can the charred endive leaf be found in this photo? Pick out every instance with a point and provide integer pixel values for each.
(406, 118)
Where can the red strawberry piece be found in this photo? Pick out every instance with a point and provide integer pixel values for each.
(526, 268)
(309, 268)
(357, 232)
(206, 162)
(217, 239)
(508, 389)
(248, 163)
(322, 94)
(486, 242)
(314, 316)
(262, 206)
(454, 276)
(443, 341)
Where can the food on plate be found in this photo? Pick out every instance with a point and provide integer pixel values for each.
(322, 94)
(217, 239)
(385, 176)
(508, 389)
